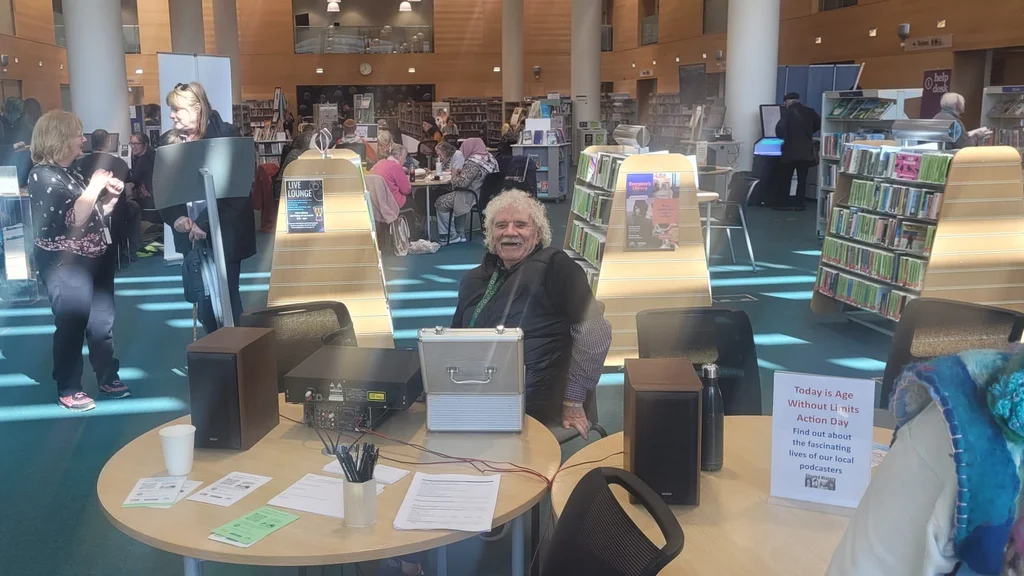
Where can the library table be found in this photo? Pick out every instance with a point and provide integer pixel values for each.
(734, 530)
(427, 182)
(292, 450)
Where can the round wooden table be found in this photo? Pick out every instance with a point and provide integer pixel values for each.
(427, 184)
(292, 450)
(734, 530)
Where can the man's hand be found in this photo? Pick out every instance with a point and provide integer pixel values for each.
(183, 225)
(196, 234)
(575, 417)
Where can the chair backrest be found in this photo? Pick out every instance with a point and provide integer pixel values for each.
(385, 207)
(594, 535)
(301, 329)
(357, 147)
(704, 335)
(930, 327)
(490, 188)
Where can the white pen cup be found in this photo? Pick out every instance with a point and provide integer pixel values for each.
(178, 443)
(360, 500)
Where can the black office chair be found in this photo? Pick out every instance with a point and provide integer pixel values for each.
(931, 327)
(490, 188)
(301, 329)
(595, 536)
(357, 147)
(704, 335)
(520, 172)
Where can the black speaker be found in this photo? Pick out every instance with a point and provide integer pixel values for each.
(232, 384)
(662, 422)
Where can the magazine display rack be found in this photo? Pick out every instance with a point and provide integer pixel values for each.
(627, 282)
(922, 230)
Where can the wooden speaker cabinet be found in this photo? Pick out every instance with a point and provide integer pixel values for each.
(662, 423)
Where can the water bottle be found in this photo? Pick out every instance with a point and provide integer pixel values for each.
(712, 434)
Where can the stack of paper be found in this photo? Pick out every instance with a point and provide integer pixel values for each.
(160, 492)
(230, 489)
(253, 527)
(449, 502)
(316, 494)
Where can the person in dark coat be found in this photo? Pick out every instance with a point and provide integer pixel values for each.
(796, 128)
(194, 119)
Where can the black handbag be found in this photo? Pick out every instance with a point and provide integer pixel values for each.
(192, 275)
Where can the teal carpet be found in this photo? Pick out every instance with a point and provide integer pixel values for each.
(52, 523)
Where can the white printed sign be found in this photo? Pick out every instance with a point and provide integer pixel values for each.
(821, 438)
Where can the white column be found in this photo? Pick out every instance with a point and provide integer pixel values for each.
(96, 67)
(187, 26)
(752, 62)
(585, 60)
(512, 50)
(225, 28)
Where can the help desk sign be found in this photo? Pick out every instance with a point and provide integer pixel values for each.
(821, 438)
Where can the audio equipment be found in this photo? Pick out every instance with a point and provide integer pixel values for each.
(344, 416)
(358, 377)
(232, 383)
(662, 426)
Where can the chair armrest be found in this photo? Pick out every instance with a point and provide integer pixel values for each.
(660, 511)
(476, 197)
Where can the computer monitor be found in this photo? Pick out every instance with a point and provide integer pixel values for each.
(770, 116)
(367, 131)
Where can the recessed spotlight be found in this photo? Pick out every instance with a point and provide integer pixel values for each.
(319, 70)
(634, 64)
(412, 70)
(61, 66)
(817, 40)
(40, 63)
(940, 24)
(654, 62)
(704, 55)
(15, 59)
(138, 70)
(677, 58)
(873, 32)
(497, 69)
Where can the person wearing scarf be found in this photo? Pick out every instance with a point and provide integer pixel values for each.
(431, 131)
(479, 163)
(451, 159)
(945, 498)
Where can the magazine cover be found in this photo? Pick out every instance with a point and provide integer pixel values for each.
(652, 211)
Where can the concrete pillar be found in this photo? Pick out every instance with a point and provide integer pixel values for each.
(585, 60)
(96, 67)
(512, 50)
(187, 26)
(225, 28)
(752, 62)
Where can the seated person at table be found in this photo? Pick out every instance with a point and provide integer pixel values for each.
(479, 163)
(430, 130)
(349, 136)
(450, 128)
(524, 282)
(944, 499)
(451, 159)
(390, 169)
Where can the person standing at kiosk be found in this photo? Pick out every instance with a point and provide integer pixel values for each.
(796, 128)
(194, 119)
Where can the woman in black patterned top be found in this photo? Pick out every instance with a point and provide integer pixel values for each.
(72, 252)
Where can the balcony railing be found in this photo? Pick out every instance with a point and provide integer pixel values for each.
(130, 32)
(649, 30)
(363, 39)
(606, 38)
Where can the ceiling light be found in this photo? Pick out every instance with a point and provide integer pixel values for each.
(333, 7)
(412, 70)
(319, 70)
(15, 59)
(873, 32)
(497, 68)
(704, 55)
(677, 58)
(40, 63)
(654, 62)
(817, 40)
(138, 70)
(634, 64)
(940, 24)
(405, 7)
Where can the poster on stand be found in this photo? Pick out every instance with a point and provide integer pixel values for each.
(305, 205)
(936, 84)
(822, 437)
(652, 211)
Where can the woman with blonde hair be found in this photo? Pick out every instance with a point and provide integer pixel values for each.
(193, 119)
(72, 253)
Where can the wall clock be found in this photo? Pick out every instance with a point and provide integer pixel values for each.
(365, 68)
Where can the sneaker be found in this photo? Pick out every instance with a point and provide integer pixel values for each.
(457, 240)
(77, 402)
(115, 390)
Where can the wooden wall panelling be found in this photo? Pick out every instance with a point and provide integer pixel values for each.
(154, 26)
(625, 25)
(209, 32)
(461, 26)
(42, 83)
(265, 27)
(969, 80)
(33, 20)
(795, 8)
(547, 26)
(680, 19)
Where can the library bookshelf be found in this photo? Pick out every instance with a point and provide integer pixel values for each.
(342, 263)
(976, 249)
(629, 282)
(1002, 110)
(849, 116)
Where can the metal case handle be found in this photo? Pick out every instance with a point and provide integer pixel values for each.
(453, 370)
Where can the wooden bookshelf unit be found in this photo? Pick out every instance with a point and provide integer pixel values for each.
(629, 282)
(342, 263)
(976, 251)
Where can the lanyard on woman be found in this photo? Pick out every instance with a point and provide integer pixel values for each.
(497, 280)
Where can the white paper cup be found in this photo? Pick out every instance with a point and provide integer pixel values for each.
(360, 503)
(178, 443)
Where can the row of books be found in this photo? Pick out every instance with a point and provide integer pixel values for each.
(264, 133)
(899, 269)
(1009, 137)
(832, 143)
(600, 169)
(588, 240)
(270, 147)
(893, 162)
(882, 231)
(884, 300)
(860, 108)
(593, 205)
(591, 272)
(828, 175)
(542, 137)
(1014, 108)
(897, 199)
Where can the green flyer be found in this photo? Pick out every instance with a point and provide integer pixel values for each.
(255, 525)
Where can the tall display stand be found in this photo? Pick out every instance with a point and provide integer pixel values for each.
(974, 253)
(848, 116)
(342, 263)
(552, 168)
(1002, 110)
(627, 282)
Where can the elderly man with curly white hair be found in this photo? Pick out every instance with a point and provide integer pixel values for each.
(525, 282)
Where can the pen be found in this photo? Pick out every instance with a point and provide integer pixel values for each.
(364, 463)
(342, 463)
(347, 464)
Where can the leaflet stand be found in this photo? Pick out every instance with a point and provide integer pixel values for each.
(206, 170)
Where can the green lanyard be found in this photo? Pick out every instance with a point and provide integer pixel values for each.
(497, 280)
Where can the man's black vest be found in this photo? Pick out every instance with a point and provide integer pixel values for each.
(522, 302)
